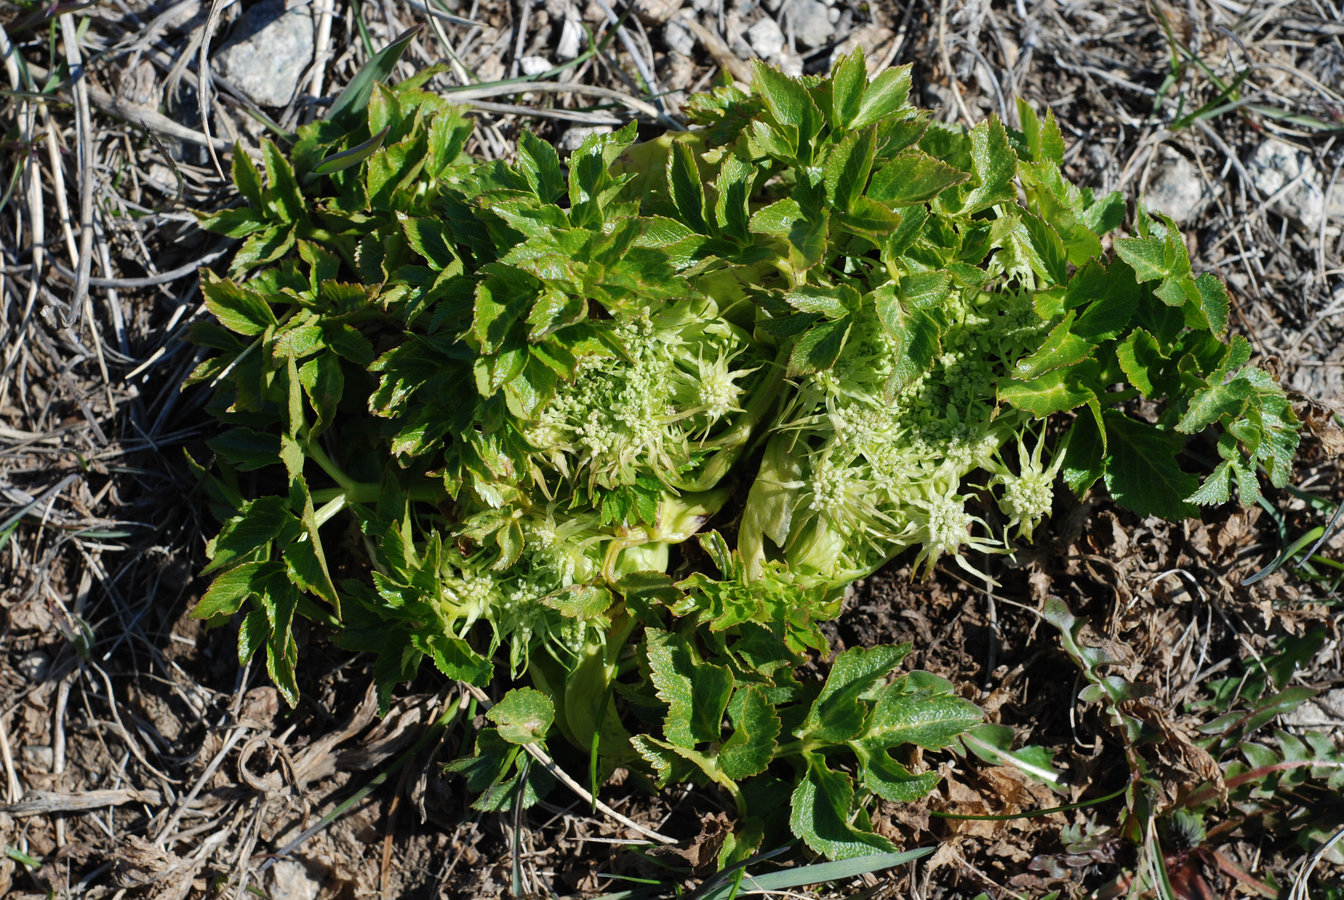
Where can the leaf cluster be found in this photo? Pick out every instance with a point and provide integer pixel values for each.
(474, 411)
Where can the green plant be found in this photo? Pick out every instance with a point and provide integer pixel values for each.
(510, 395)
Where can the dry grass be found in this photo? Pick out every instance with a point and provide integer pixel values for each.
(138, 760)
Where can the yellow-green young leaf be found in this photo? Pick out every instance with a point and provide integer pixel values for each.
(884, 97)
(230, 589)
(778, 218)
(912, 176)
(995, 164)
(523, 716)
(821, 811)
(1141, 359)
(847, 168)
(580, 601)
(785, 97)
(1043, 139)
(238, 309)
(849, 78)
(246, 177)
(285, 196)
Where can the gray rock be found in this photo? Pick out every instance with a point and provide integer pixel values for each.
(678, 38)
(766, 38)
(811, 22)
(572, 138)
(34, 666)
(1320, 713)
(571, 35)
(289, 878)
(1175, 186)
(534, 65)
(268, 52)
(1289, 176)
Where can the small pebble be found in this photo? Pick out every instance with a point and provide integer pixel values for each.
(534, 65)
(34, 666)
(766, 38)
(811, 22)
(269, 52)
(678, 38)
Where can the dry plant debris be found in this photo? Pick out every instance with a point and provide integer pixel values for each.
(136, 756)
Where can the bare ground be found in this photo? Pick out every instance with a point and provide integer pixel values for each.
(139, 760)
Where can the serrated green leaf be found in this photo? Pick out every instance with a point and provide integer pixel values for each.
(523, 716)
(1043, 139)
(453, 657)
(821, 808)
(785, 97)
(252, 635)
(931, 720)
(847, 168)
(913, 176)
(283, 191)
(1086, 451)
(892, 781)
(1141, 471)
(247, 449)
(838, 714)
(1141, 360)
(819, 348)
(237, 308)
(1048, 249)
(1213, 301)
(1061, 348)
(1055, 391)
(231, 588)
(540, 165)
(849, 78)
(752, 744)
(258, 523)
(247, 178)
(1216, 487)
(995, 164)
(686, 186)
(695, 692)
(885, 96)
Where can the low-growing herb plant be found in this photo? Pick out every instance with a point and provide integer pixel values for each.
(477, 411)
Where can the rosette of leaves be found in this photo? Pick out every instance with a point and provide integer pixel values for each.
(475, 410)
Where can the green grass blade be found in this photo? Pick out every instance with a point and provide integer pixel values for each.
(356, 94)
